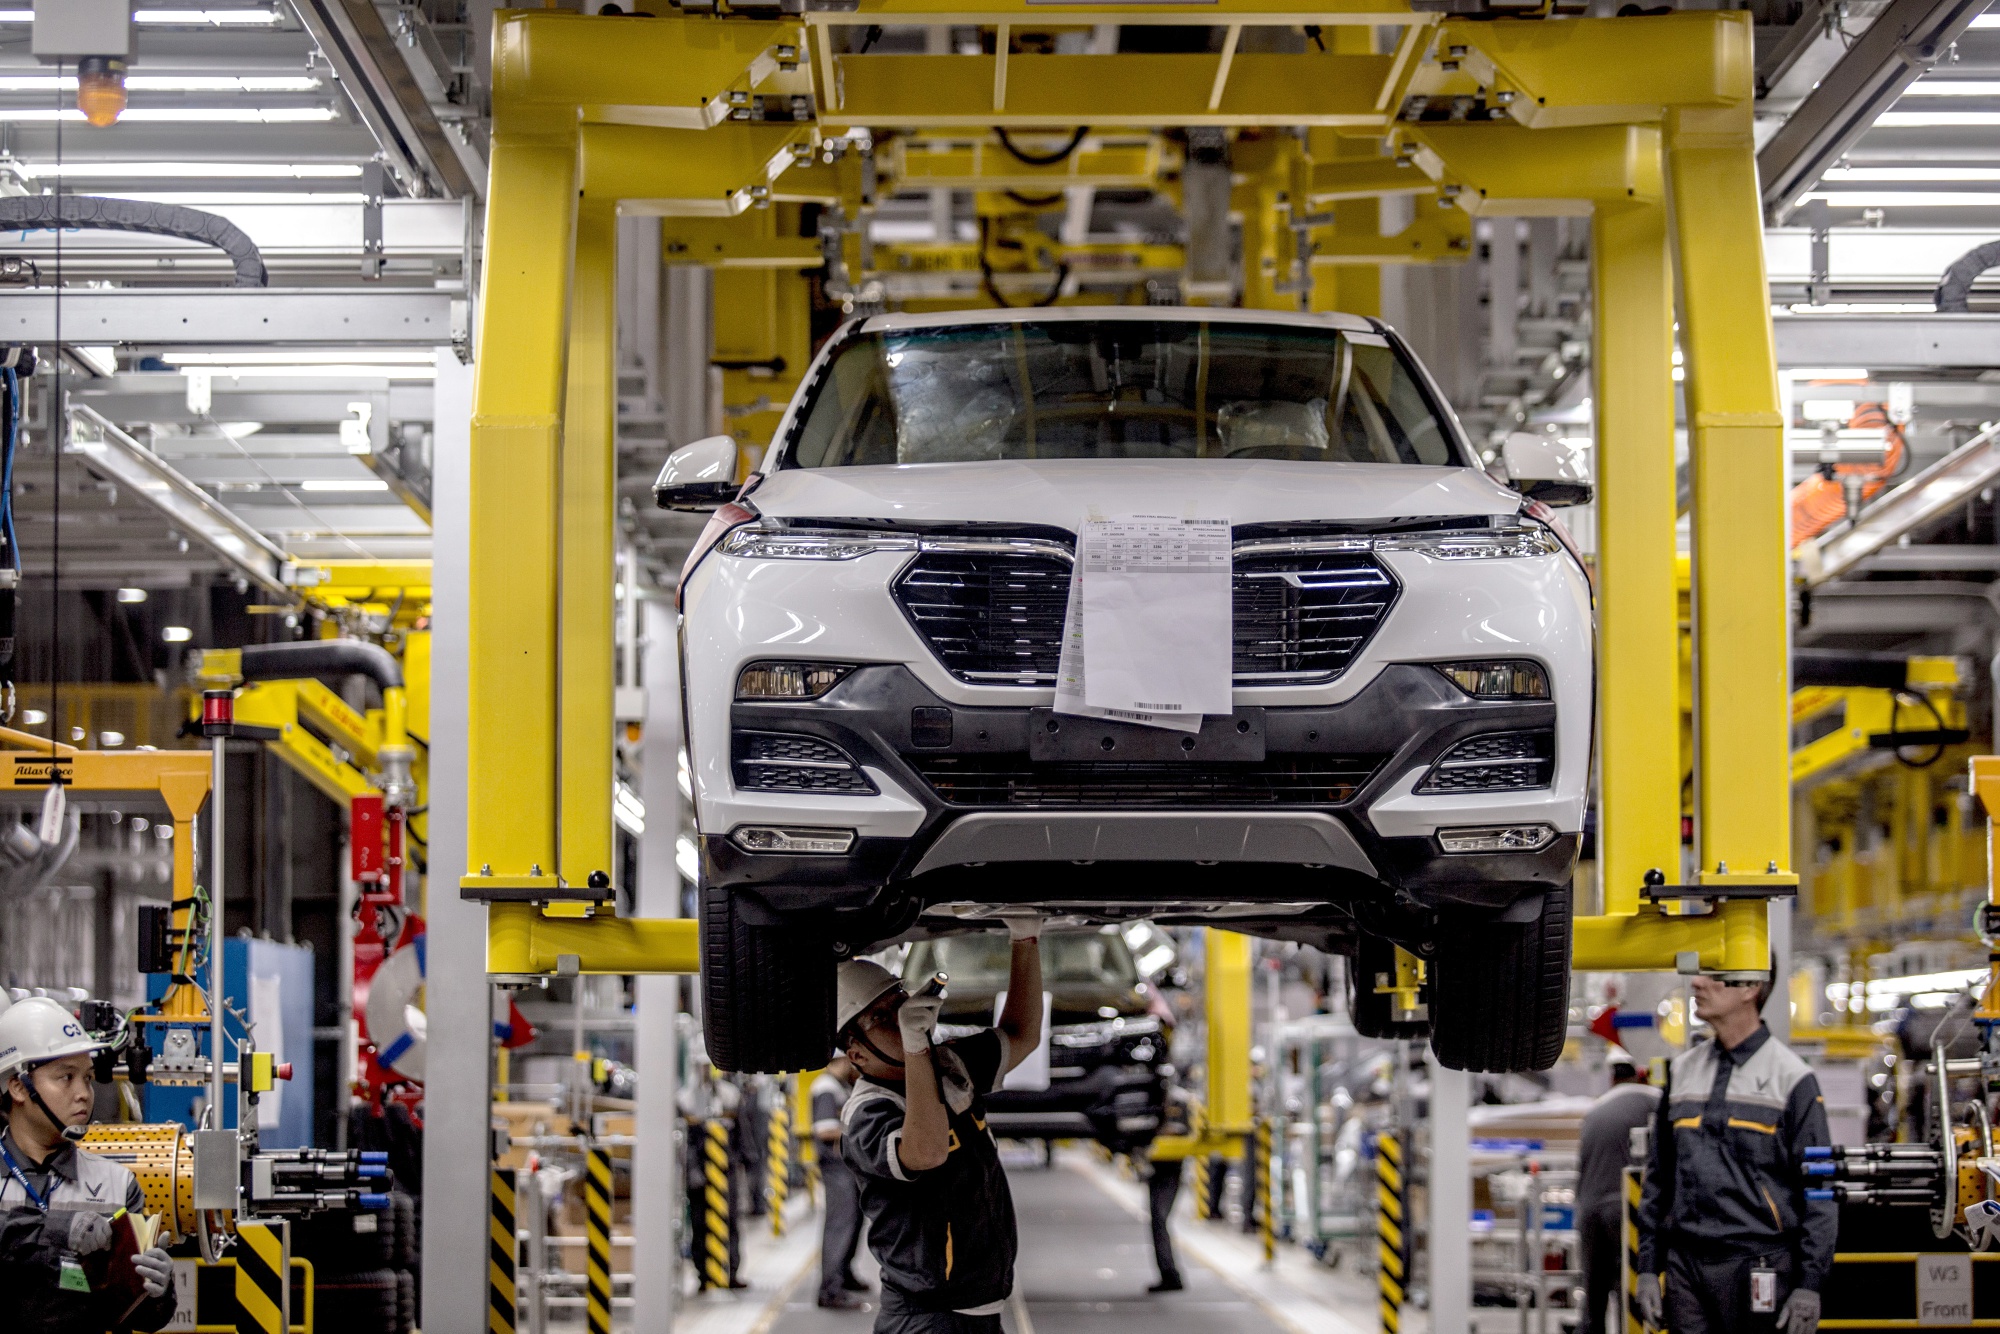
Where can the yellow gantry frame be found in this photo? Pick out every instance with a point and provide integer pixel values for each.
(1642, 123)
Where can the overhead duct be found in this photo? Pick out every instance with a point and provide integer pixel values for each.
(1840, 667)
(97, 213)
(322, 657)
(1954, 289)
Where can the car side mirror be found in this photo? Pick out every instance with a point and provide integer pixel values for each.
(699, 477)
(1546, 469)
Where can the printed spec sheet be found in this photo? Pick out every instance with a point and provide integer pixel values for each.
(1146, 638)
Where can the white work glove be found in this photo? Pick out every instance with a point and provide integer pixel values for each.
(156, 1271)
(1801, 1313)
(1652, 1306)
(917, 1017)
(89, 1232)
(1022, 924)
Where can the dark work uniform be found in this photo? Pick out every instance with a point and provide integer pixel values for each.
(33, 1242)
(1603, 1153)
(841, 1233)
(1727, 1186)
(1163, 1186)
(944, 1237)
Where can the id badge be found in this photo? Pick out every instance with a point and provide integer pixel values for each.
(73, 1279)
(1763, 1289)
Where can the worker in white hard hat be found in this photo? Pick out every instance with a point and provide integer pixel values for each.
(58, 1202)
(940, 1217)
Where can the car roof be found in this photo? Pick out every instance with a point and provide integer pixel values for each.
(946, 319)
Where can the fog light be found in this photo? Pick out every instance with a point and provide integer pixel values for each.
(789, 680)
(764, 838)
(1498, 680)
(1497, 838)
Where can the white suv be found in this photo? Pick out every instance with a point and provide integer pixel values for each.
(872, 628)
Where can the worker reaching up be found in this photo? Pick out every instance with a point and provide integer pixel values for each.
(57, 1201)
(940, 1217)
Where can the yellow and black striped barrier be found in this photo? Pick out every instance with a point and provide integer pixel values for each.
(597, 1241)
(263, 1296)
(778, 1158)
(712, 1260)
(502, 1248)
(1392, 1250)
(1197, 1128)
(1628, 1277)
(1266, 1222)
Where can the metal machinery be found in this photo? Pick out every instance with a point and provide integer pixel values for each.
(205, 1177)
(763, 138)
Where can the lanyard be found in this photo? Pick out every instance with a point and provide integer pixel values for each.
(14, 1169)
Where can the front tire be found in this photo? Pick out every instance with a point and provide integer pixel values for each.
(1502, 991)
(767, 991)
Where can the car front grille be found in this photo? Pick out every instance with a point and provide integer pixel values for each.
(1015, 780)
(995, 617)
(788, 762)
(1497, 762)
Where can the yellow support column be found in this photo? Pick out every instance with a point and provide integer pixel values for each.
(1737, 457)
(1228, 987)
(1638, 642)
(589, 522)
(516, 432)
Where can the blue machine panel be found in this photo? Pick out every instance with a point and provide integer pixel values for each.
(272, 984)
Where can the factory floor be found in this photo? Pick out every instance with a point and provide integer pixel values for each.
(1085, 1264)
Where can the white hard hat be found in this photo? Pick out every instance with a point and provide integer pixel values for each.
(862, 983)
(37, 1030)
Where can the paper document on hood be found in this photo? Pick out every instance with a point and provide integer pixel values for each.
(1146, 638)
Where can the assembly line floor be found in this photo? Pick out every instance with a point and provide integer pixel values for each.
(1086, 1262)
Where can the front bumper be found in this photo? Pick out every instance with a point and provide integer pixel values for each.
(1116, 1105)
(1376, 836)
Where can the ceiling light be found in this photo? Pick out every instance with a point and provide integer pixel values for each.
(344, 356)
(33, 717)
(1886, 175)
(1953, 88)
(1925, 120)
(213, 17)
(176, 634)
(345, 370)
(1987, 21)
(171, 83)
(131, 595)
(183, 115)
(217, 170)
(1837, 373)
(219, 198)
(340, 484)
(1908, 198)
(110, 740)
(1864, 308)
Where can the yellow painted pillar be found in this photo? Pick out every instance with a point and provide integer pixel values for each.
(1227, 982)
(516, 435)
(588, 522)
(1638, 649)
(1737, 452)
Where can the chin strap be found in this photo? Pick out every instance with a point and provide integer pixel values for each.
(71, 1133)
(861, 1036)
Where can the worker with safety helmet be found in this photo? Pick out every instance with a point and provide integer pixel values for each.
(940, 1218)
(57, 1201)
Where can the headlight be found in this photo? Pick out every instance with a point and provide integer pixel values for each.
(1475, 543)
(1498, 680)
(1098, 1034)
(789, 680)
(811, 543)
(1497, 838)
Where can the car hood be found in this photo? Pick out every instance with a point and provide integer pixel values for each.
(1059, 491)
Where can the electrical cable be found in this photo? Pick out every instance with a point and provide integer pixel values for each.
(1041, 159)
(992, 289)
(1035, 201)
(1896, 708)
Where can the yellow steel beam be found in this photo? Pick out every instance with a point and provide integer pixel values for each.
(747, 242)
(669, 70)
(1435, 236)
(984, 164)
(1734, 938)
(1226, 985)
(1137, 91)
(363, 580)
(1986, 786)
(521, 940)
(686, 173)
(516, 437)
(1037, 15)
(1597, 71)
(1367, 177)
(1512, 171)
(1738, 462)
(584, 626)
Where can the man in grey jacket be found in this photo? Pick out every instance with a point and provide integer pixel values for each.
(1604, 1151)
(1728, 1240)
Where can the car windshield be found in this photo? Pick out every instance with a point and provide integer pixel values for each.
(1118, 389)
(979, 962)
